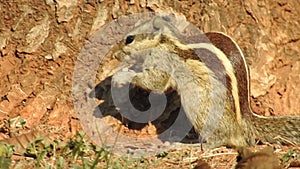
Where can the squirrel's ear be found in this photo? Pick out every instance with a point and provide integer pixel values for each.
(159, 23)
(162, 25)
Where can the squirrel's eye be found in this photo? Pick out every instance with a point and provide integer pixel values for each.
(129, 39)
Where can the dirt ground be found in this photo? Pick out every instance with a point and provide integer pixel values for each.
(41, 40)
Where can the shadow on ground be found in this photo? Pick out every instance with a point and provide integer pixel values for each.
(139, 100)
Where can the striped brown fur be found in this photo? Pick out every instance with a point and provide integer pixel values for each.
(216, 62)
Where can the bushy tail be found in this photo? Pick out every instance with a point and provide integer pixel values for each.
(282, 129)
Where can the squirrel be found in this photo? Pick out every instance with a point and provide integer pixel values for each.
(210, 74)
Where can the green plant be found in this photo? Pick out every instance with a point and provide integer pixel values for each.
(6, 151)
(38, 150)
(291, 154)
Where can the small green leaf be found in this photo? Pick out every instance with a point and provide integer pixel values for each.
(5, 162)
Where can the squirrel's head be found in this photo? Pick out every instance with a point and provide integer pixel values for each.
(156, 33)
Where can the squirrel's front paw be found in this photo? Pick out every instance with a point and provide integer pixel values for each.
(123, 77)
